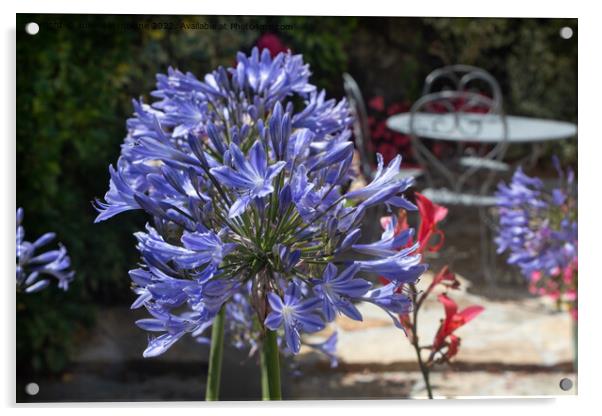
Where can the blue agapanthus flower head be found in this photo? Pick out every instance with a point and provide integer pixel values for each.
(538, 226)
(244, 175)
(35, 269)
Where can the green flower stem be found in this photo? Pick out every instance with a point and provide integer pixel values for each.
(215, 357)
(270, 368)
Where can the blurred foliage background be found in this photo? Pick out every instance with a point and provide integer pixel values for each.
(76, 79)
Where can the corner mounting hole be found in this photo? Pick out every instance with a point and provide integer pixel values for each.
(32, 28)
(566, 384)
(566, 32)
(32, 389)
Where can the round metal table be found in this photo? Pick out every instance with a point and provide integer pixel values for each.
(482, 128)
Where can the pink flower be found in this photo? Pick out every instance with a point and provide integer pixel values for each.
(570, 272)
(573, 312)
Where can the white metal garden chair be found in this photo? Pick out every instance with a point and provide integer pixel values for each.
(451, 95)
(361, 130)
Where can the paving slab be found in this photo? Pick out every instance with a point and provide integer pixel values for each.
(525, 331)
(447, 385)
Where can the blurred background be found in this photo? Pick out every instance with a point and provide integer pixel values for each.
(75, 82)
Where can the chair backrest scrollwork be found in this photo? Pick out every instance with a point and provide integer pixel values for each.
(458, 100)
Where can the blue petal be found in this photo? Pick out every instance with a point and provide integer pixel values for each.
(273, 321)
(239, 206)
(293, 340)
(157, 346)
(349, 309)
(275, 302)
(310, 322)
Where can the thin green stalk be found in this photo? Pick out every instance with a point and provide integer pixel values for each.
(424, 370)
(423, 367)
(215, 357)
(270, 368)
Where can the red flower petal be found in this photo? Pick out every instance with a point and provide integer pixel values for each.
(452, 348)
(451, 307)
(469, 313)
(430, 215)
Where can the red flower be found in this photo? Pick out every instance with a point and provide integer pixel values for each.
(377, 103)
(396, 108)
(380, 131)
(439, 148)
(388, 151)
(452, 347)
(401, 140)
(272, 43)
(430, 215)
(453, 320)
(402, 223)
(406, 323)
(444, 277)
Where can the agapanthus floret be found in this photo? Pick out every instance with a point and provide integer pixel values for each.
(244, 175)
(389, 244)
(339, 290)
(536, 226)
(253, 178)
(295, 313)
(35, 270)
